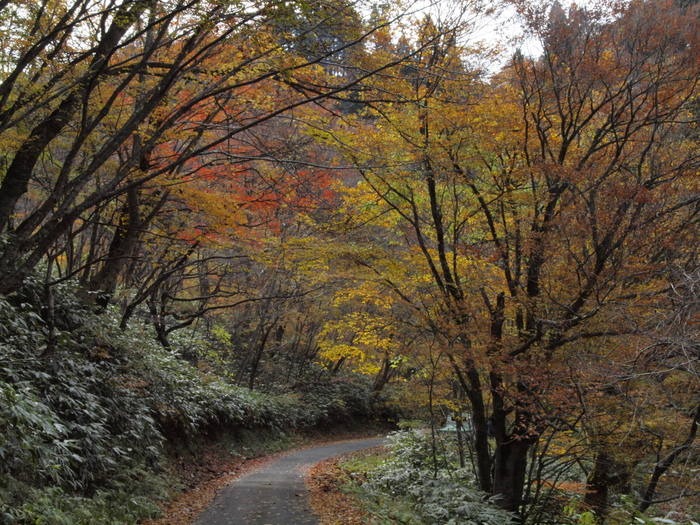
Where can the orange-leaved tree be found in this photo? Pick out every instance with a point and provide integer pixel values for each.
(541, 201)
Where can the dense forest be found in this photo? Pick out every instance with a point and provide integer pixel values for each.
(282, 215)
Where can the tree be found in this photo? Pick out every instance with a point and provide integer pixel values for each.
(153, 94)
(532, 199)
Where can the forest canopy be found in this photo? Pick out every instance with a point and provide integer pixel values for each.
(289, 213)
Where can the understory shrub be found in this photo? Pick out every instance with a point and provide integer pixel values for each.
(420, 485)
(71, 428)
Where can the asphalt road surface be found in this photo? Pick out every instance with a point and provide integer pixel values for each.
(275, 494)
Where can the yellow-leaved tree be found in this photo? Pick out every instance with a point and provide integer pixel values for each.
(540, 202)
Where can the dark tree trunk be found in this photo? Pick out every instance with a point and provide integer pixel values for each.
(607, 473)
(471, 384)
(337, 365)
(158, 322)
(597, 486)
(16, 180)
(481, 435)
(510, 457)
(509, 469)
(382, 377)
(255, 365)
(121, 249)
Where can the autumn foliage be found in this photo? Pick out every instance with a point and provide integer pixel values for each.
(336, 194)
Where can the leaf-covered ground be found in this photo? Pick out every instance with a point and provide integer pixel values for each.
(331, 501)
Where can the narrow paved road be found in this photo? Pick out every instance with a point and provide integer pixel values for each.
(275, 494)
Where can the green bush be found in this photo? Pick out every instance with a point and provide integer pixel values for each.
(408, 488)
(68, 424)
(56, 506)
(335, 399)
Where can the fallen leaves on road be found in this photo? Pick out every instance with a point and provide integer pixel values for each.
(214, 470)
(216, 466)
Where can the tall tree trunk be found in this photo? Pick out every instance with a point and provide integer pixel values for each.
(382, 377)
(255, 365)
(509, 469)
(598, 485)
(471, 384)
(121, 249)
(510, 457)
(155, 309)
